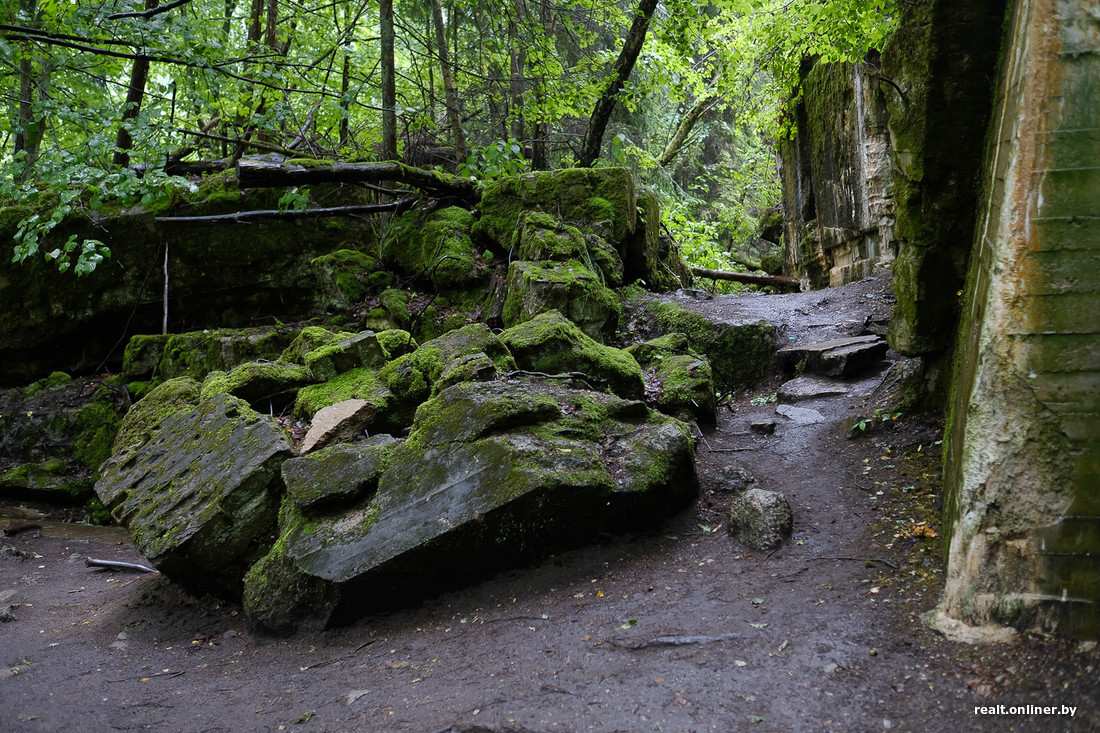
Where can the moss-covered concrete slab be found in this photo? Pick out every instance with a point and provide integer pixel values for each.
(492, 474)
(198, 488)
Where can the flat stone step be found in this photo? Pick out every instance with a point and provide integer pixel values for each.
(843, 357)
(811, 387)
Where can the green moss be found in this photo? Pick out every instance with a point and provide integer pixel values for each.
(362, 384)
(550, 343)
(145, 417)
(740, 355)
(396, 303)
(396, 342)
(437, 245)
(97, 424)
(56, 380)
(341, 275)
(309, 339)
(570, 288)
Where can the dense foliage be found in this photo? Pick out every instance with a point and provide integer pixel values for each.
(102, 95)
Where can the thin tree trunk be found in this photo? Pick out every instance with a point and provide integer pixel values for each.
(389, 83)
(132, 107)
(345, 106)
(687, 124)
(454, 113)
(601, 115)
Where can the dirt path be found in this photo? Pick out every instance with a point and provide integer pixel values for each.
(684, 630)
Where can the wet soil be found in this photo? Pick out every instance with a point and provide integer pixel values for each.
(681, 630)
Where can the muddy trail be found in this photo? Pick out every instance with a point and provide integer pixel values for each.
(681, 630)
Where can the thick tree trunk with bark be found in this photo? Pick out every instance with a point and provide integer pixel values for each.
(635, 39)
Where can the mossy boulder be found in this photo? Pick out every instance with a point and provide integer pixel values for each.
(310, 339)
(569, 288)
(337, 475)
(261, 384)
(197, 486)
(197, 353)
(551, 343)
(596, 201)
(362, 383)
(682, 381)
(493, 474)
(146, 416)
(51, 481)
(650, 258)
(540, 237)
(279, 598)
(437, 245)
(740, 353)
(341, 276)
(362, 349)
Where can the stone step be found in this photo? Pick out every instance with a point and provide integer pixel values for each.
(842, 357)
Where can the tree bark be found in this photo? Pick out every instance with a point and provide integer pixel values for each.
(687, 124)
(265, 174)
(389, 82)
(135, 93)
(597, 124)
(777, 281)
(454, 112)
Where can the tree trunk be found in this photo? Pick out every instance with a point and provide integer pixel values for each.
(687, 124)
(454, 113)
(776, 281)
(264, 174)
(635, 39)
(132, 107)
(389, 83)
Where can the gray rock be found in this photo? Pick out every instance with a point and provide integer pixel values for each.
(762, 427)
(339, 423)
(841, 357)
(551, 343)
(570, 288)
(760, 519)
(800, 415)
(200, 489)
(809, 388)
(360, 350)
(336, 475)
(734, 479)
(493, 474)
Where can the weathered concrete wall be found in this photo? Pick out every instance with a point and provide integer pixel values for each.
(937, 75)
(1022, 471)
(836, 177)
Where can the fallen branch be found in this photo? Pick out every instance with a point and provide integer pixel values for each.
(246, 217)
(117, 565)
(267, 174)
(775, 281)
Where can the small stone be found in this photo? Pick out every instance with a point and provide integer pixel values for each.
(762, 427)
(338, 423)
(760, 519)
(830, 668)
(733, 479)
